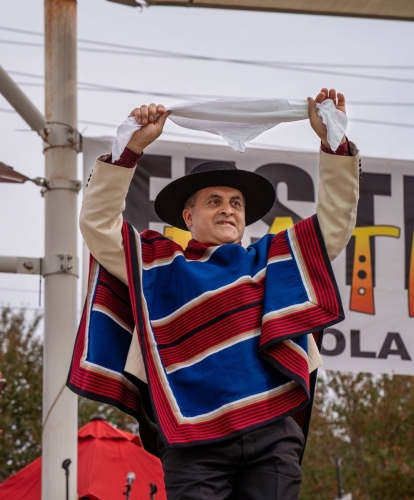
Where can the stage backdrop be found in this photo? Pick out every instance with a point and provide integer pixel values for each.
(375, 273)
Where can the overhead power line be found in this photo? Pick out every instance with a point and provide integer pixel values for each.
(108, 88)
(288, 66)
(114, 127)
(190, 97)
(23, 290)
(22, 308)
(378, 122)
(111, 125)
(360, 120)
(164, 52)
(20, 290)
(283, 66)
(211, 137)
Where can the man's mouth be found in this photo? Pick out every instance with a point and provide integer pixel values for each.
(227, 222)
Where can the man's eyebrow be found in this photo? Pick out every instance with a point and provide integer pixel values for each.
(236, 196)
(215, 195)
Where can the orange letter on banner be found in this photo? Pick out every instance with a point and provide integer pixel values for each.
(178, 236)
(280, 224)
(362, 289)
(411, 281)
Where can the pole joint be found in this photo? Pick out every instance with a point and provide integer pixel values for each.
(53, 184)
(60, 264)
(61, 135)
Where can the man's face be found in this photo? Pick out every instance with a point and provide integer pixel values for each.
(217, 216)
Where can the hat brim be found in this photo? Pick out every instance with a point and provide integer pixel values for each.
(257, 190)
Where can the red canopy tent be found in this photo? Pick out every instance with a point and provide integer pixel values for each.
(105, 456)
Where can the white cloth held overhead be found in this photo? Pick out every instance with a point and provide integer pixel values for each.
(239, 121)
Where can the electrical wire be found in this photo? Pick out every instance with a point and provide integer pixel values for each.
(211, 137)
(111, 125)
(276, 65)
(107, 88)
(164, 52)
(20, 290)
(20, 308)
(378, 122)
(104, 88)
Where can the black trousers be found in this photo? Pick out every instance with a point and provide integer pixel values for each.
(262, 464)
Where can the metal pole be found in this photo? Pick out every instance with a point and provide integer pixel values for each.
(60, 404)
(21, 103)
(338, 476)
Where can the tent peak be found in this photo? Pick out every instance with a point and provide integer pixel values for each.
(101, 429)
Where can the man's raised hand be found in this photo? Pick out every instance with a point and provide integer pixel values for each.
(152, 119)
(316, 121)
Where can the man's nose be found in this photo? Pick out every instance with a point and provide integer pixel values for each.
(227, 209)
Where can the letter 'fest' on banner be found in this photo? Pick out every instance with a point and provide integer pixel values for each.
(375, 273)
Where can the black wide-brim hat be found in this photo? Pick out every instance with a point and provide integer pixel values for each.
(259, 193)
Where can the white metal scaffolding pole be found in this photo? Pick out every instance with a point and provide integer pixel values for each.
(60, 404)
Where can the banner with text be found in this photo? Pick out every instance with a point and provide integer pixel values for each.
(375, 273)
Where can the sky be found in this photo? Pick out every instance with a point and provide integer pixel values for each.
(370, 61)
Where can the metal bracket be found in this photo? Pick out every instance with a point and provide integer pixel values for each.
(60, 264)
(59, 184)
(20, 265)
(51, 264)
(61, 135)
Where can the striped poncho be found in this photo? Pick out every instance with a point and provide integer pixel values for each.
(223, 332)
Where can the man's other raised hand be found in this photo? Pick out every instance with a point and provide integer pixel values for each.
(152, 119)
(316, 121)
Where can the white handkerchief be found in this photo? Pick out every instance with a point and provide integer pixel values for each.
(239, 121)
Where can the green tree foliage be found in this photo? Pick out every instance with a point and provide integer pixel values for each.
(21, 363)
(21, 400)
(117, 418)
(368, 421)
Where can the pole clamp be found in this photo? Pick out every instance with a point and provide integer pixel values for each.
(61, 135)
(50, 185)
(60, 264)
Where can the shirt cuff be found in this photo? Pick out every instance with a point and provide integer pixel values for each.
(343, 150)
(128, 159)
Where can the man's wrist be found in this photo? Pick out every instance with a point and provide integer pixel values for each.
(136, 147)
(326, 144)
(128, 158)
(342, 150)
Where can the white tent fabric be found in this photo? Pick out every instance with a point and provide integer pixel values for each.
(239, 121)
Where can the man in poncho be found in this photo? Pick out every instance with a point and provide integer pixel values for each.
(213, 348)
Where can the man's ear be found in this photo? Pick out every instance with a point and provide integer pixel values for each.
(188, 218)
